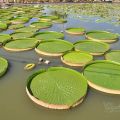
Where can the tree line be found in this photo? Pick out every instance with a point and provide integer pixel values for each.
(51, 1)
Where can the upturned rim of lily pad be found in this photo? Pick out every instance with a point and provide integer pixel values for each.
(48, 24)
(108, 57)
(48, 17)
(14, 26)
(3, 27)
(4, 66)
(114, 39)
(99, 87)
(7, 38)
(59, 21)
(34, 44)
(93, 53)
(55, 54)
(28, 35)
(58, 105)
(61, 35)
(19, 20)
(81, 30)
(27, 29)
(79, 64)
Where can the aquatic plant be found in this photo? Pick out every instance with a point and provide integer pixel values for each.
(3, 66)
(103, 76)
(54, 47)
(93, 47)
(57, 88)
(113, 55)
(76, 58)
(48, 35)
(22, 44)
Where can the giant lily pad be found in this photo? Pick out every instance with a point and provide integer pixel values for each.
(93, 47)
(27, 29)
(103, 76)
(102, 36)
(57, 88)
(59, 20)
(49, 35)
(3, 66)
(48, 18)
(75, 31)
(113, 55)
(41, 25)
(19, 35)
(21, 44)
(3, 26)
(76, 58)
(19, 20)
(4, 38)
(53, 47)
(16, 26)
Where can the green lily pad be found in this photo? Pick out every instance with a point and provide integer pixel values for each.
(113, 55)
(76, 58)
(16, 26)
(3, 26)
(41, 25)
(46, 35)
(57, 88)
(6, 17)
(19, 35)
(103, 76)
(28, 15)
(21, 44)
(93, 47)
(102, 36)
(75, 31)
(54, 47)
(8, 22)
(3, 66)
(47, 18)
(38, 15)
(27, 29)
(60, 20)
(19, 20)
(4, 38)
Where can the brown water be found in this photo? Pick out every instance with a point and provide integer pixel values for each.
(15, 104)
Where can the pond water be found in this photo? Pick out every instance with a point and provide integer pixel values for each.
(15, 104)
